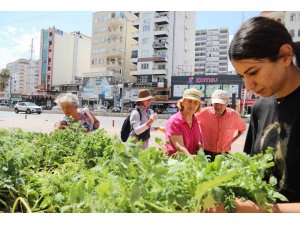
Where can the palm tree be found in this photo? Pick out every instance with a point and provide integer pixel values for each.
(4, 76)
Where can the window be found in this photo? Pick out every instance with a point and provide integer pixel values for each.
(293, 17)
(120, 14)
(147, 16)
(145, 66)
(145, 41)
(102, 61)
(299, 33)
(146, 28)
(161, 66)
(143, 79)
(96, 41)
(145, 53)
(134, 54)
(292, 32)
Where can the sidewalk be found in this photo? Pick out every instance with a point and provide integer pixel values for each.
(112, 125)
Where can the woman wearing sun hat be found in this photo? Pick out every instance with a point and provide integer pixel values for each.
(183, 133)
(141, 125)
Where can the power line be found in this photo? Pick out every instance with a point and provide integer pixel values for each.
(30, 18)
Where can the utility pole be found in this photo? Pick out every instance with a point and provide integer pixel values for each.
(77, 35)
(31, 50)
(10, 83)
(124, 67)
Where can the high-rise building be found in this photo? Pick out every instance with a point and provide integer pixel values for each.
(165, 48)
(24, 76)
(211, 47)
(32, 82)
(19, 75)
(110, 58)
(111, 45)
(63, 58)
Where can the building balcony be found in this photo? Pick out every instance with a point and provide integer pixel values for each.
(161, 32)
(157, 71)
(134, 48)
(160, 45)
(159, 58)
(140, 72)
(114, 54)
(161, 19)
(154, 58)
(136, 24)
(135, 35)
(134, 60)
(117, 21)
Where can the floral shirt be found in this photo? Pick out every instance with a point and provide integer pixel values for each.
(84, 120)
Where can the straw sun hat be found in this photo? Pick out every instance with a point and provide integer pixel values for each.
(143, 95)
(191, 93)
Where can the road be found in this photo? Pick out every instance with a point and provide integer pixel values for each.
(45, 123)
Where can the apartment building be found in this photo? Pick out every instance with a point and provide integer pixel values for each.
(211, 47)
(63, 58)
(290, 19)
(276, 15)
(33, 77)
(110, 57)
(24, 76)
(165, 46)
(292, 24)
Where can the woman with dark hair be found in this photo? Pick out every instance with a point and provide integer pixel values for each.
(265, 56)
(141, 120)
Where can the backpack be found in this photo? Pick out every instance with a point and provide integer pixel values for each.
(126, 127)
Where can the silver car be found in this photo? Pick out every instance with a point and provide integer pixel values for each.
(27, 107)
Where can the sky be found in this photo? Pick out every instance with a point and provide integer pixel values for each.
(19, 27)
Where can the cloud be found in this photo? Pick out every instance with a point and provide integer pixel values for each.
(9, 30)
(15, 44)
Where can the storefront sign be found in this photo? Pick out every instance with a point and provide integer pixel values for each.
(202, 80)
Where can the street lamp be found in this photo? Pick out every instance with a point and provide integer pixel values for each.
(124, 64)
(124, 67)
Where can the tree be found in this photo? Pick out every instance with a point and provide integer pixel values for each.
(4, 76)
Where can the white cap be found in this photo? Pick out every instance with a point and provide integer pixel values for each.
(220, 96)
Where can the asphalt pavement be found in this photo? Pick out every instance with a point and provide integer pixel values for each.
(45, 123)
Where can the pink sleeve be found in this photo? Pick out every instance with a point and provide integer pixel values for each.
(241, 125)
(173, 128)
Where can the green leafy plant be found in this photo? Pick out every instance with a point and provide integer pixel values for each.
(74, 171)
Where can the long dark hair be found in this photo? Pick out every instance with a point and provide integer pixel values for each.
(261, 38)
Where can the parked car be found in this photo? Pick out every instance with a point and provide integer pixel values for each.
(170, 111)
(27, 107)
(4, 106)
(116, 110)
(43, 107)
(100, 109)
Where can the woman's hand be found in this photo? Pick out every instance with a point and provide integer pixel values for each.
(162, 129)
